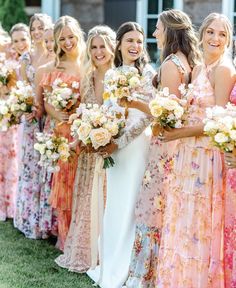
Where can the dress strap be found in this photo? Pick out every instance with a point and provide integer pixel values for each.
(185, 76)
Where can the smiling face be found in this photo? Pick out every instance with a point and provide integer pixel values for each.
(131, 47)
(20, 41)
(100, 55)
(37, 31)
(215, 38)
(159, 34)
(67, 40)
(49, 40)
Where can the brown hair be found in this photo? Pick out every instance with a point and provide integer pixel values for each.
(123, 29)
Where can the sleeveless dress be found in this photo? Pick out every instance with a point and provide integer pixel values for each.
(47, 215)
(150, 205)
(123, 182)
(26, 217)
(77, 250)
(230, 221)
(63, 181)
(191, 244)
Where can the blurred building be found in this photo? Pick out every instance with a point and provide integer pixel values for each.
(115, 12)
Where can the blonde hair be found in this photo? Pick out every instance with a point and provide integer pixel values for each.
(20, 27)
(73, 24)
(109, 37)
(216, 16)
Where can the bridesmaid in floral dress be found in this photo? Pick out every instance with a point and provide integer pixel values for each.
(191, 251)
(77, 252)
(47, 216)
(26, 217)
(230, 215)
(70, 50)
(177, 63)
(9, 139)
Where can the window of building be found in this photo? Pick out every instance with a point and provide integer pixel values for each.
(147, 12)
(32, 6)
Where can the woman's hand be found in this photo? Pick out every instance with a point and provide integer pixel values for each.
(171, 134)
(108, 149)
(230, 160)
(30, 116)
(62, 116)
(123, 102)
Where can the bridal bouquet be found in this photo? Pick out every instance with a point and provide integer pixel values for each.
(168, 109)
(51, 149)
(220, 126)
(22, 98)
(96, 125)
(63, 96)
(122, 82)
(7, 68)
(7, 117)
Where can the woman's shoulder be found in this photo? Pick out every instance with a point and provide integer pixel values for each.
(225, 66)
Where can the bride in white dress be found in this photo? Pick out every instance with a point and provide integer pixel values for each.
(124, 179)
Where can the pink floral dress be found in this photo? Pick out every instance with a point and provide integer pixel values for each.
(191, 245)
(8, 172)
(150, 206)
(230, 222)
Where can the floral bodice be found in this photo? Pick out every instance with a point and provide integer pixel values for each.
(203, 97)
(137, 121)
(30, 70)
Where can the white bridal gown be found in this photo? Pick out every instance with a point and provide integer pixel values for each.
(123, 184)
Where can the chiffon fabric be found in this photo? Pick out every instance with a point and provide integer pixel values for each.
(47, 215)
(77, 250)
(150, 205)
(26, 217)
(63, 181)
(230, 222)
(123, 183)
(191, 250)
(8, 172)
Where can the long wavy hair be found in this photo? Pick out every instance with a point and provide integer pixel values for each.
(122, 30)
(73, 24)
(226, 22)
(109, 38)
(44, 19)
(179, 35)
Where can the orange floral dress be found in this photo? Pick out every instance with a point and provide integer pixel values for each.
(63, 181)
(192, 234)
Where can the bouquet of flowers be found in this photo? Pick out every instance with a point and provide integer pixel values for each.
(220, 125)
(7, 118)
(7, 68)
(122, 82)
(22, 98)
(62, 97)
(168, 109)
(51, 149)
(96, 125)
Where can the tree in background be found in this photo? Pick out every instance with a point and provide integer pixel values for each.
(12, 12)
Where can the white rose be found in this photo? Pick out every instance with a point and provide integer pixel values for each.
(134, 81)
(83, 132)
(100, 137)
(3, 110)
(112, 128)
(221, 138)
(232, 135)
(210, 126)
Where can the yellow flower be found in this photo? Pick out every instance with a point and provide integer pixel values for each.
(106, 95)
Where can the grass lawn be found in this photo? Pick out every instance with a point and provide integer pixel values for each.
(26, 263)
